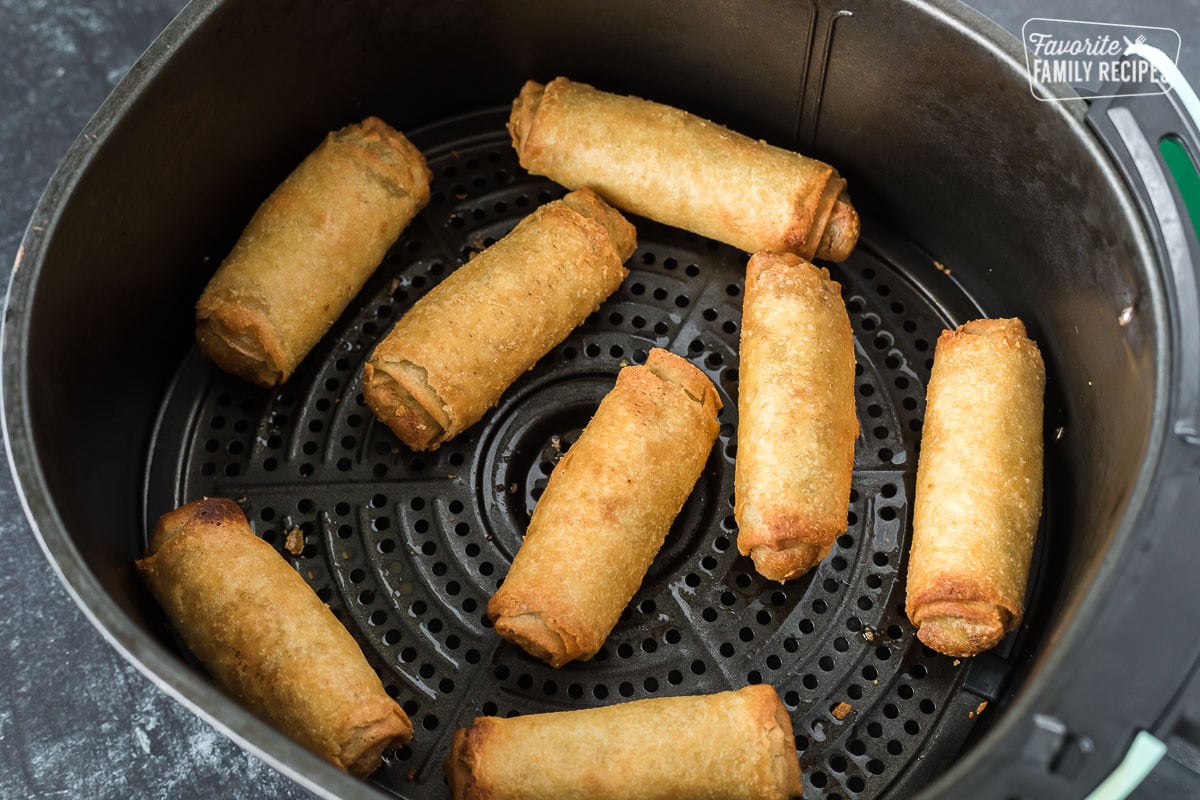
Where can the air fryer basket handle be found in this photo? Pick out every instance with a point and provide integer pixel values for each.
(1132, 129)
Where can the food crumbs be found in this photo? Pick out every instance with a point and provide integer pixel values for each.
(477, 241)
(841, 710)
(957, 662)
(294, 543)
(411, 774)
(942, 267)
(394, 285)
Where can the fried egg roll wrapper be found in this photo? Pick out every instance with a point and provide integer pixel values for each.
(607, 509)
(266, 638)
(309, 249)
(796, 419)
(979, 487)
(448, 360)
(727, 746)
(676, 168)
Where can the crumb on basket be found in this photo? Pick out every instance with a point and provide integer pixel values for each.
(978, 710)
(294, 543)
(842, 710)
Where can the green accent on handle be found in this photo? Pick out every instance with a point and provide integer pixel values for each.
(1145, 752)
(1186, 178)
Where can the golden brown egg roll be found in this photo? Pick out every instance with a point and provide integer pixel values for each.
(979, 487)
(726, 746)
(796, 420)
(679, 169)
(266, 638)
(309, 249)
(607, 509)
(448, 360)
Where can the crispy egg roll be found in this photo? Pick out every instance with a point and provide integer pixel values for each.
(796, 420)
(448, 360)
(979, 487)
(606, 510)
(726, 746)
(309, 249)
(266, 638)
(679, 169)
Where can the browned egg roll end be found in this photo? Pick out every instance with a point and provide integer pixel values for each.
(541, 638)
(395, 159)
(961, 628)
(521, 119)
(841, 232)
(363, 753)
(687, 376)
(207, 511)
(239, 341)
(620, 230)
(1010, 329)
(459, 763)
(786, 563)
(781, 739)
(402, 399)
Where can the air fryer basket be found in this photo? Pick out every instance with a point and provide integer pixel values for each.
(977, 200)
(407, 548)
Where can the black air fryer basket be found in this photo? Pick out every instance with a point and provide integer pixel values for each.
(977, 200)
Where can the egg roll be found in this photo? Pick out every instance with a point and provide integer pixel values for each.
(979, 487)
(309, 249)
(606, 510)
(674, 167)
(796, 419)
(266, 638)
(726, 746)
(448, 360)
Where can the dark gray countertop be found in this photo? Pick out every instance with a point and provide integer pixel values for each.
(75, 718)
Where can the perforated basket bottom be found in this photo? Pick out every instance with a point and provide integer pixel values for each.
(407, 548)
